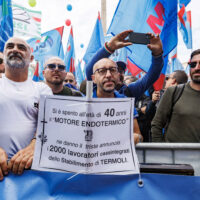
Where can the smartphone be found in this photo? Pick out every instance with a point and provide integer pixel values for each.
(139, 38)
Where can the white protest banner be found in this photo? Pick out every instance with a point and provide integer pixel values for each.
(77, 136)
(26, 22)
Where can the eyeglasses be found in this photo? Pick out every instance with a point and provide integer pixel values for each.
(103, 71)
(193, 64)
(53, 67)
(69, 80)
(1, 61)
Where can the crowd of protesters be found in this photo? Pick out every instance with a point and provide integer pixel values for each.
(169, 115)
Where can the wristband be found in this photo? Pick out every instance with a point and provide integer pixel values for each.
(108, 49)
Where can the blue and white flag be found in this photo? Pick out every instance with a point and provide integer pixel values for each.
(70, 54)
(6, 21)
(79, 73)
(50, 185)
(49, 45)
(185, 26)
(157, 16)
(96, 41)
(184, 2)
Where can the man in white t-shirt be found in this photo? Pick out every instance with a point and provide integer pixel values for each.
(19, 97)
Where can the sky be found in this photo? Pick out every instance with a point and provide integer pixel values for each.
(83, 18)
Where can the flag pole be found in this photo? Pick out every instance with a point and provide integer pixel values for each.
(103, 15)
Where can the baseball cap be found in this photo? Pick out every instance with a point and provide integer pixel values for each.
(121, 64)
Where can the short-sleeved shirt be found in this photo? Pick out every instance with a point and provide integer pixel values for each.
(19, 112)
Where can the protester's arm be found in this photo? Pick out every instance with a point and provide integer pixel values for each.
(3, 164)
(161, 116)
(140, 86)
(151, 106)
(137, 134)
(115, 43)
(22, 159)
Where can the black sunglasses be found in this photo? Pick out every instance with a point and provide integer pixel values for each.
(1, 60)
(69, 80)
(193, 64)
(53, 67)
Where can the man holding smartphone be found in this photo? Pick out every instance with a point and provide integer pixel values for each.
(137, 88)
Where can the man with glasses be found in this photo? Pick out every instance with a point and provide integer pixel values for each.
(19, 97)
(183, 117)
(54, 74)
(106, 76)
(2, 66)
(137, 88)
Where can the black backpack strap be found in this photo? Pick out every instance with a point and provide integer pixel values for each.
(179, 92)
(175, 97)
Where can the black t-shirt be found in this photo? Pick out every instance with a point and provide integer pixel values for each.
(65, 92)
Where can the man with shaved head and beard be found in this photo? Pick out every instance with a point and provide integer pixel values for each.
(19, 97)
(106, 76)
(183, 126)
(54, 74)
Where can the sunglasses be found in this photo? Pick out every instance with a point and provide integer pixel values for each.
(1, 60)
(69, 80)
(52, 67)
(193, 64)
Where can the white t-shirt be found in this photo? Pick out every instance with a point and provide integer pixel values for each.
(18, 112)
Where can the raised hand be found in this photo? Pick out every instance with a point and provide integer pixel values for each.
(155, 44)
(119, 41)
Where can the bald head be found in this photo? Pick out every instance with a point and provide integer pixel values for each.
(17, 53)
(54, 73)
(18, 40)
(54, 60)
(17, 57)
(104, 62)
(105, 76)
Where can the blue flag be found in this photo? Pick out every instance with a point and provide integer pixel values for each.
(169, 69)
(36, 77)
(157, 16)
(49, 45)
(187, 70)
(176, 64)
(96, 41)
(184, 2)
(6, 21)
(185, 26)
(120, 55)
(70, 54)
(52, 185)
(79, 73)
(61, 52)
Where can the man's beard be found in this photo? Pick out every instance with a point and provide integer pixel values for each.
(55, 82)
(194, 78)
(14, 63)
(108, 90)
